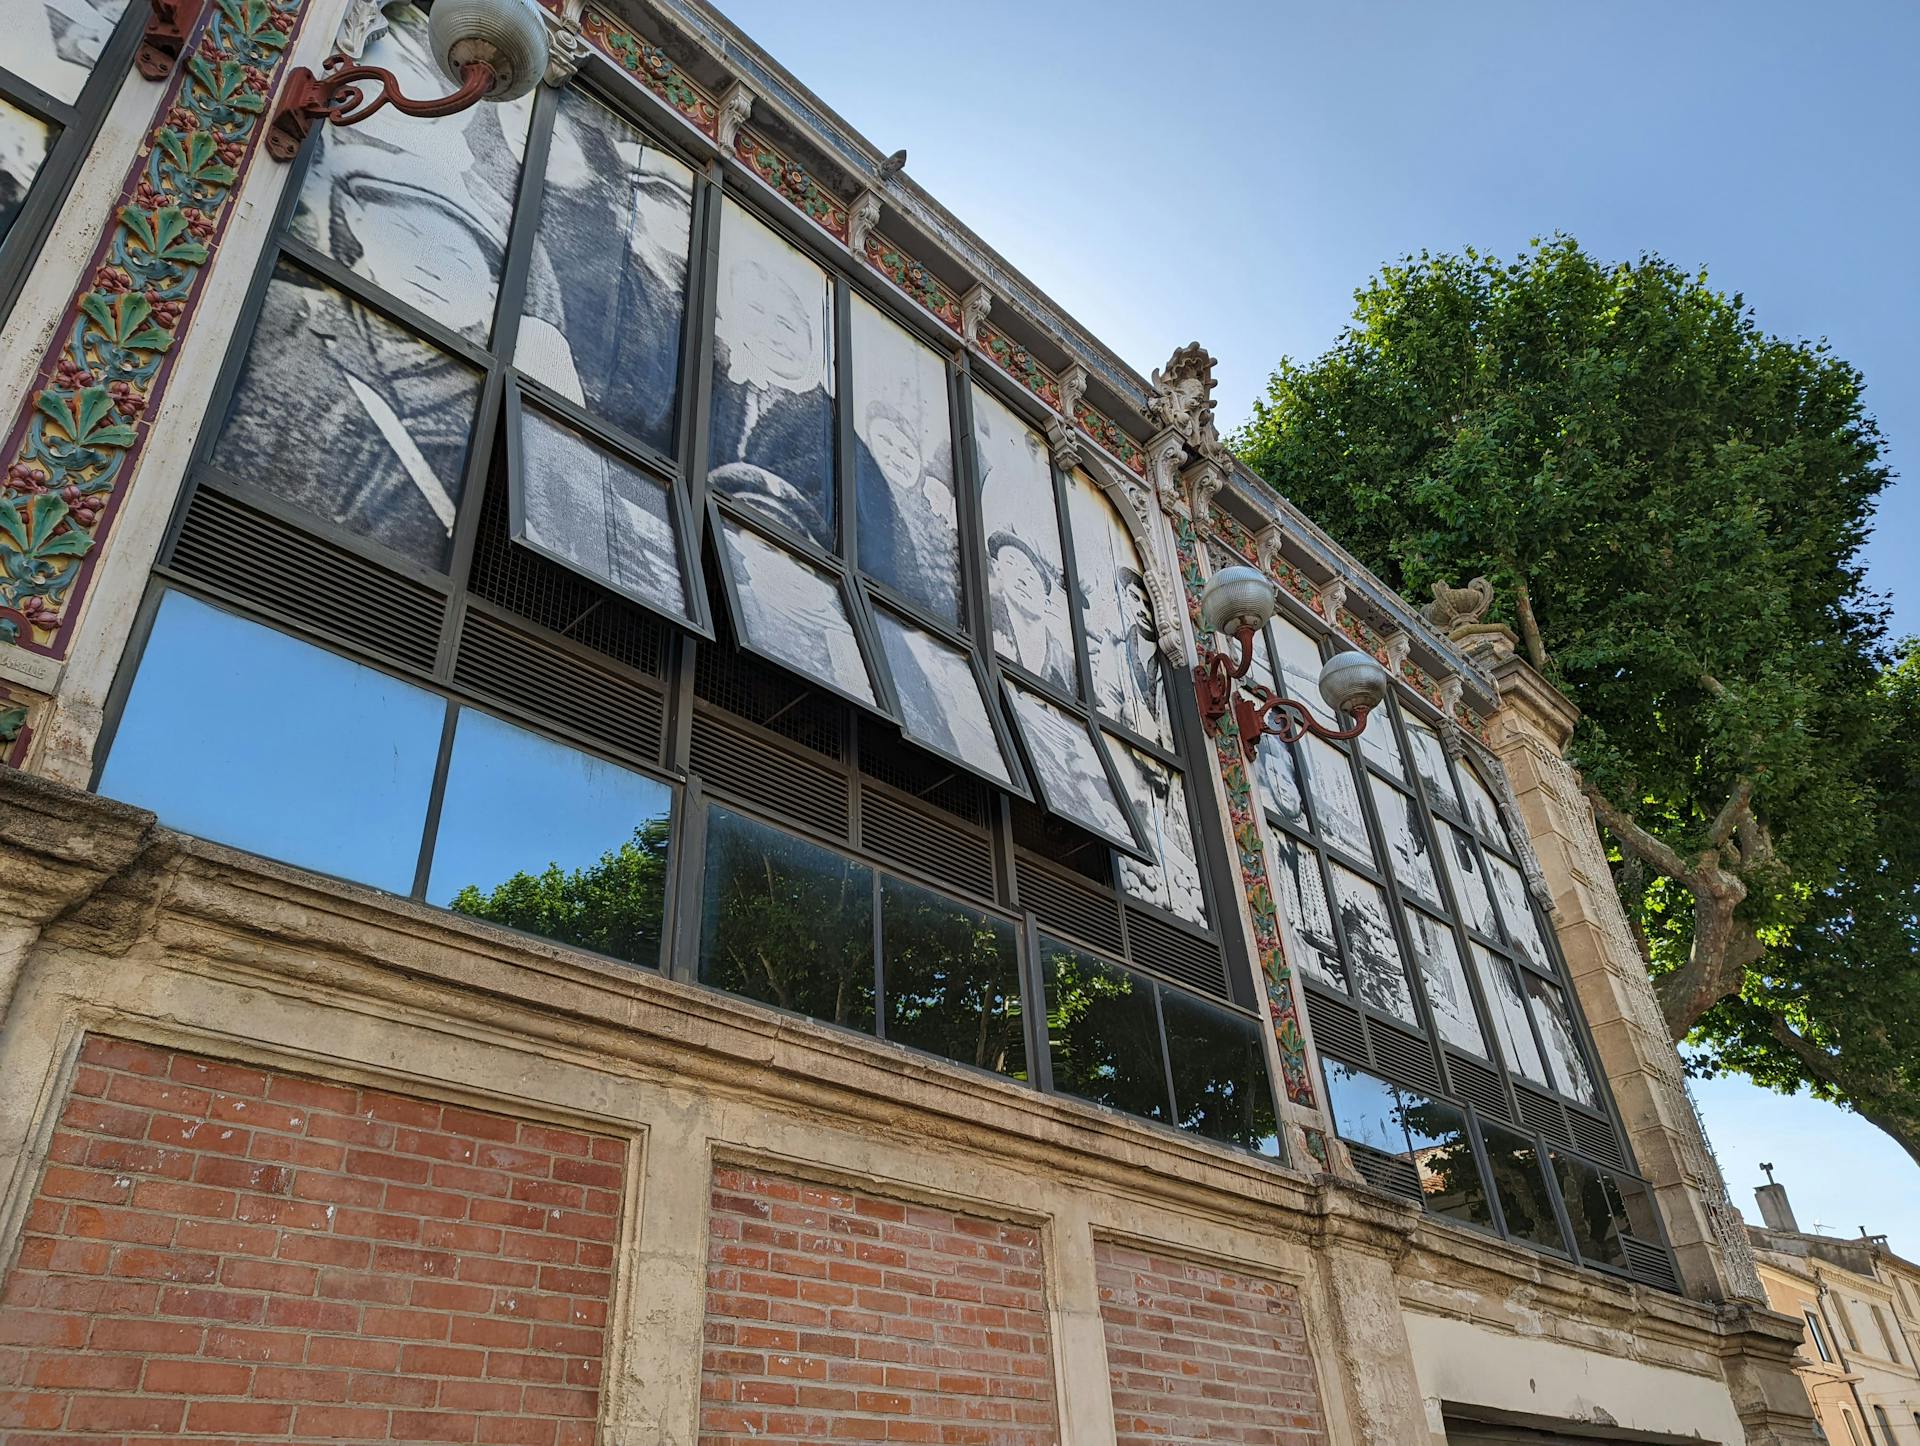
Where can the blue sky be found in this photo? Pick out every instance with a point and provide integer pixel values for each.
(1232, 179)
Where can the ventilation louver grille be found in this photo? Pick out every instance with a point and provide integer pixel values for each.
(925, 839)
(1479, 1087)
(1065, 906)
(1157, 945)
(926, 776)
(763, 772)
(761, 693)
(500, 661)
(1596, 1139)
(1543, 1113)
(1386, 1172)
(1650, 1264)
(1336, 1027)
(289, 571)
(1404, 1058)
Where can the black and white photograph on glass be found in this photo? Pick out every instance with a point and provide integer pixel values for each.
(1437, 956)
(1026, 579)
(1484, 812)
(1379, 977)
(605, 308)
(1469, 881)
(1303, 897)
(941, 704)
(1127, 672)
(1564, 1058)
(1430, 761)
(1408, 852)
(1336, 798)
(1299, 657)
(1274, 769)
(795, 613)
(24, 143)
(1500, 983)
(903, 463)
(1159, 799)
(419, 207)
(597, 513)
(53, 44)
(1516, 908)
(771, 437)
(1067, 768)
(1381, 744)
(396, 414)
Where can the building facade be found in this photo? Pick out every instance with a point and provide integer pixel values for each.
(610, 834)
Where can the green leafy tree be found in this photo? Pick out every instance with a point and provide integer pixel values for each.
(1670, 504)
(613, 906)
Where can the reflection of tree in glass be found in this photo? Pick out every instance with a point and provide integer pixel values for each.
(612, 907)
(1443, 1154)
(787, 922)
(1103, 1038)
(953, 982)
(1220, 1084)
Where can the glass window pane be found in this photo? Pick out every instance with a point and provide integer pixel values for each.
(1450, 1180)
(1409, 853)
(1296, 872)
(55, 44)
(952, 979)
(772, 425)
(317, 761)
(1336, 798)
(24, 143)
(1066, 765)
(597, 513)
(1500, 982)
(942, 706)
(607, 288)
(793, 612)
(1274, 768)
(1123, 653)
(1159, 799)
(1445, 979)
(903, 463)
(1372, 951)
(1026, 579)
(1366, 1109)
(1382, 744)
(1468, 877)
(1569, 1065)
(1481, 808)
(420, 207)
(1521, 1183)
(545, 838)
(1583, 1191)
(786, 922)
(1516, 910)
(349, 417)
(1633, 1208)
(1101, 1032)
(1298, 653)
(1220, 1083)
(1430, 761)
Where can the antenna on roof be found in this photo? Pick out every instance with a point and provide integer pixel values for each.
(1769, 1169)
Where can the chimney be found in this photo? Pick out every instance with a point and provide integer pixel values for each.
(1774, 1208)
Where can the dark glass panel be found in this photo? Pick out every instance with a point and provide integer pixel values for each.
(1450, 1180)
(1221, 1088)
(1520, 1179)
(1596, 1231)
(607, 289)
(246, 736)
(1633, 1207)
(545, 838)
(786, 922)
(351, 418)
(1102, 1032)
(952, 979)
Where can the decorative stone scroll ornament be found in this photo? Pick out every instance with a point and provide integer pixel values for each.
(1396, 645)
(364, 23)
(70, 454)
(566, 47)
(1331, 597)
(1165, 454)
(1183, 400)
(1267, 544)
(736, 104)
(1073, 386)
(1065, 443)
(974, 307)
(1203, 481)
(862, 217)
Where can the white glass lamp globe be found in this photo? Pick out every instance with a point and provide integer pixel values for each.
(508, 35)
(1236, 598)
(1353, 681)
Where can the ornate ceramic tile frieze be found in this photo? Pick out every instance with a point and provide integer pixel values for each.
(913, 278)
(72, 450)
(648, 64)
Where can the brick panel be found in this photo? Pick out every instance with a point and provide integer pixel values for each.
(837, 1316)
(225, 1251)
(1198, 1353)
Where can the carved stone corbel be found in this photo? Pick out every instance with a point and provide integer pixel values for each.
(1202, 483)
(1165, 453)
(1267, 543)
(1330, 598)
(862, 216)
(365, 22)
(1166, 613)
(1397, 646)
(566, 47)
(1073, 386)
(1063, 439)
(974, 307)
(1450, 697)
(735, 105)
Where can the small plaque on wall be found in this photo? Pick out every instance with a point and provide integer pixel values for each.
(36, 671)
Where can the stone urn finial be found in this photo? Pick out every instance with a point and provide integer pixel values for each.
(1455, 607)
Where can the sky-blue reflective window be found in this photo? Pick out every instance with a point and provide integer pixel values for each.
(542, 837)
(246, 736)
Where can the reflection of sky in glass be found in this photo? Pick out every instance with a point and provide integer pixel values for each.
(316, 760)
(517, 802)
(1366, 1110)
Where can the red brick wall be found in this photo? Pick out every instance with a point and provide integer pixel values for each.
(226, 1251)
(1198, 1353)
(835, 1316)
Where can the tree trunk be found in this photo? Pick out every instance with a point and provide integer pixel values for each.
(1529, 625)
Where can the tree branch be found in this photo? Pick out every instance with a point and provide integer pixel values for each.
(1739, 805)
(1828, 1070)
(1648, 849)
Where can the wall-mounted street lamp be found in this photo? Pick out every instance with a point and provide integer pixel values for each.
(495, 49)
(1239, 602)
